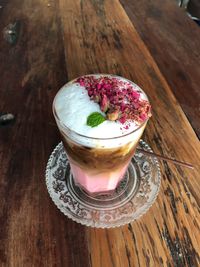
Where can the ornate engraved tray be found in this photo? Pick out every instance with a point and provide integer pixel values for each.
(133, 197)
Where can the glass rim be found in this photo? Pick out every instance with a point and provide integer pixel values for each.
(90, 137)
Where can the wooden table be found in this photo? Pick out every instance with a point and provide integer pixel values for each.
(150, 42)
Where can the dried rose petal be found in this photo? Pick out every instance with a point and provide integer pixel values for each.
(99, 86)
(143, 116)
(123, 119)
(135, 94)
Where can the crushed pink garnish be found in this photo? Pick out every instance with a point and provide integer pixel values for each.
(123, 119)
(119, 99)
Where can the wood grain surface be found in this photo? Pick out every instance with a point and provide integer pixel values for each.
(194, 8)
(59, 41)
(173, 40)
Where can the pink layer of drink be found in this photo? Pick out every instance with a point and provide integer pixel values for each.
(102, 182)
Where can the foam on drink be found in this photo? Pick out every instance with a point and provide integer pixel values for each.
(73, 106)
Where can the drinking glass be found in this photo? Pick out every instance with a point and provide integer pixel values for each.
(98, 164)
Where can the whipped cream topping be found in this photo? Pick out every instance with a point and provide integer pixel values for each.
(73, 106)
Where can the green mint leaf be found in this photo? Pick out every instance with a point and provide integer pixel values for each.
(94, 119)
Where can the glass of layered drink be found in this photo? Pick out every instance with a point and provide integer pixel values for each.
(101, 118)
